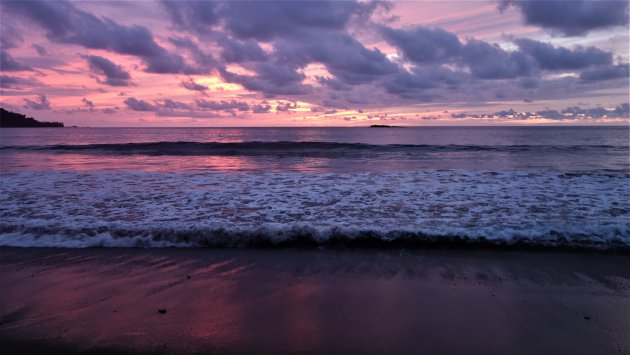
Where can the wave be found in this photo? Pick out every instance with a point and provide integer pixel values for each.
(606, 238)
(286, 148)
(416, 208)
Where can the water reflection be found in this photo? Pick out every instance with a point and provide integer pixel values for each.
(409, 135)
(495, 161)
(610, 149)
(323, 302)
(29, 161)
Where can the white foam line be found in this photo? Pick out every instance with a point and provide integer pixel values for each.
(80, 209)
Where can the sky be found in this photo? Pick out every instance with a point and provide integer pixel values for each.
(316, 63)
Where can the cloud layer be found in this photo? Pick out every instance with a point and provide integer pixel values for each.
(242, 58)
(571, 17)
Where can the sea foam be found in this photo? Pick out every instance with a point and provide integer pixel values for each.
(144, 209)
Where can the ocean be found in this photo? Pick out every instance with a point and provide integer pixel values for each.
(278, 187)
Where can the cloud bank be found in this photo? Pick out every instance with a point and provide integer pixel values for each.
(266, 56)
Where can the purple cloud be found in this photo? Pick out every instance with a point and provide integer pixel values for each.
(571, 18)
(7, 63)
(114, 74)
(41, 50)
(175, 105)
(262, 107)
(88, 104)
(65, 23)
(268, 20)
(560, 58)
(422, 44)
(333, 83)
(422, 82)
(237, 51)
(286, 106)
(139, 105)
(605, 73)
(489, 61)
(272, 79)
(190, 84)
(569, 113)
(7, 82)
(223, 105)
(41, 103)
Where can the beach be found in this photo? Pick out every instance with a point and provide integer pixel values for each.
(113, 300)
(487, 240)
(315, 177)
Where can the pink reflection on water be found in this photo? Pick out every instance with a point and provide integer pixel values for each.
(34, 161)
(217, 301)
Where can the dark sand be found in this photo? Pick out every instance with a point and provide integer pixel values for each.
(313, 301)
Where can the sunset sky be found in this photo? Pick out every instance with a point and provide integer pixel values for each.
(300, 63)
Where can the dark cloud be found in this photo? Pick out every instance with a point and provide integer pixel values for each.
(560, 58)
(277, 42)
(198, 108)
(190, 84)
(425, 46)
(139, 105)
(235, 51)
(300, 32)
(529, 83)
(10, 37)
(605, 73)
(421, 82)
(114, 74)
(7, 63)
(196, 15)
(262, 107)
(343, 56)
(41, 50)
(569, 113)
(175, 105)
(65, 23)
(623, 110)
(8, 82)
(232, 105)
(333, 83)
(286, 106)
(477, 61)
(41, 103)
(346, 58)
(88, 104)
(205, 61)
(571, 18)
(422, 44)
(489, 61)
(268, 20)
(271, 79)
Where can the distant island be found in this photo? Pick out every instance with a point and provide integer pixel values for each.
(10, 119)
(383, 126)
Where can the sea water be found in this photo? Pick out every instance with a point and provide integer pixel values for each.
(195, 187)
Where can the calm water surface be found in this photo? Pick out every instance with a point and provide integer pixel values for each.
(571, 149)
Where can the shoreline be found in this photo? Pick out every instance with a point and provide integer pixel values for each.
(107, 300)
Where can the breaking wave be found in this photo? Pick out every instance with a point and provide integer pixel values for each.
(286, 148)
(397, 209)
(612, 237)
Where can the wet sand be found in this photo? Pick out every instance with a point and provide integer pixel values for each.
(312, 301)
